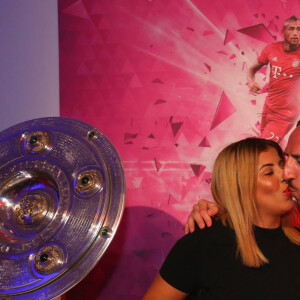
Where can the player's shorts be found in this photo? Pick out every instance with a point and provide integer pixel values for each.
(274, 126)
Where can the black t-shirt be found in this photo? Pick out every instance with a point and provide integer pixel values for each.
(207, 260)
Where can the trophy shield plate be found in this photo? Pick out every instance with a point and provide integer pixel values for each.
(62, 193)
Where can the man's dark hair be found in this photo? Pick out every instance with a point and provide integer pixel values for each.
(292, 18)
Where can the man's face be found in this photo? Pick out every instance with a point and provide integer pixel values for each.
(291, 172)
(291, 33)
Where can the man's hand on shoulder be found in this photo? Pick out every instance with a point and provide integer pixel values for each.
(202, 214)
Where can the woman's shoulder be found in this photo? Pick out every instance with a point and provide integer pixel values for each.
(196, 245)
(217, 227)
(217, 233)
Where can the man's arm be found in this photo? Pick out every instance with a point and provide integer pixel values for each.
(254, 87)
(202, 213)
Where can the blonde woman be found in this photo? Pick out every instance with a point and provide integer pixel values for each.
(252, 250)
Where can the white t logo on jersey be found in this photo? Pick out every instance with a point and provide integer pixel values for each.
(276, 71)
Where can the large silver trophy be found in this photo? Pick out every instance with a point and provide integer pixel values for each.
(62, 191)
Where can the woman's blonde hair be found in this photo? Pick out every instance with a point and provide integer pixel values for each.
(234, 188)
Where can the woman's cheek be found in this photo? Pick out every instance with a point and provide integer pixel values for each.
(267, 186)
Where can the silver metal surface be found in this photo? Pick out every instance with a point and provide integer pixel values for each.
(62, 192)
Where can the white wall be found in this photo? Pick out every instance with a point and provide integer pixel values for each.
(29, 86)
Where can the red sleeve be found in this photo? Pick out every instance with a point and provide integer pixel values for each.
(264, 56)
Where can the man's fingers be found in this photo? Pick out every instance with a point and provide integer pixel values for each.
(254, 93)
(198, 218)
(196, 215)
(254, 88)
(213, 210)
(205, 217)
(202, 214)
(186, 228)
(190, 225)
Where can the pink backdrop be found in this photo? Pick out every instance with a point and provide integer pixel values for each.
(165, 81)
